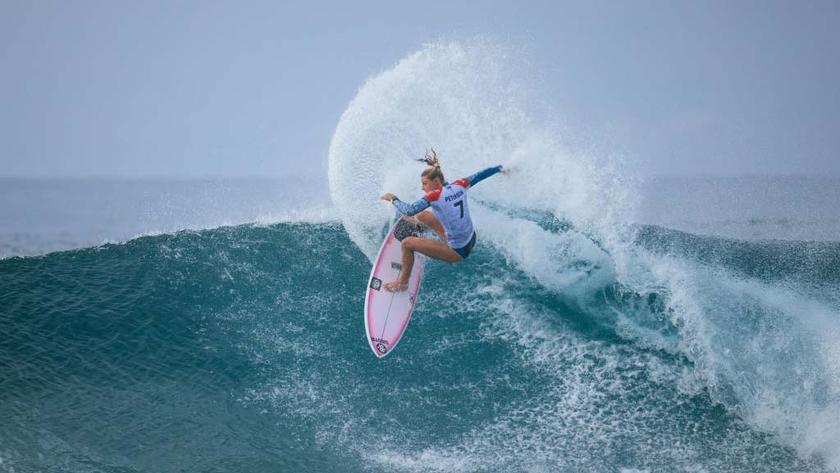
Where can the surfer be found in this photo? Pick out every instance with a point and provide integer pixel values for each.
(449, 218)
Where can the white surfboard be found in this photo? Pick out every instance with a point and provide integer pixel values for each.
(387, 313)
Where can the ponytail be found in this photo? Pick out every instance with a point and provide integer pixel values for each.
(433, 171)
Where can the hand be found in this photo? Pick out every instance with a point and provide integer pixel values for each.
(389, 197)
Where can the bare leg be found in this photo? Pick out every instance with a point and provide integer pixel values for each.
(431, 248)
(428, 219)
(401, 284)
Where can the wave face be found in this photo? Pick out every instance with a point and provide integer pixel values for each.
(242, 348)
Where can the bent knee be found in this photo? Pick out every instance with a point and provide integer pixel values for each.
(410, 243)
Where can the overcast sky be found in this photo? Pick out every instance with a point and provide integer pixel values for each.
(200, 88)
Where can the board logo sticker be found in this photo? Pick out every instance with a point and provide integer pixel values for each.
(381, 345)
(395, 265)
(375, 283)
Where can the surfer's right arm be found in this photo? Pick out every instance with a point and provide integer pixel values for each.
(405, 208)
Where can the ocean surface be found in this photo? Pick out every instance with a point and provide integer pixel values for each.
(241, 348)
(603, 323)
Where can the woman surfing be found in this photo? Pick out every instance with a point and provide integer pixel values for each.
(449, 218)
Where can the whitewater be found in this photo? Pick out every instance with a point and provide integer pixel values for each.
(574, 338)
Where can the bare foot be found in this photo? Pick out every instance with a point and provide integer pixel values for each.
(396, 286)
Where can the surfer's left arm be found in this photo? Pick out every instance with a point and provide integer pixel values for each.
(479, 176)
(405, 208)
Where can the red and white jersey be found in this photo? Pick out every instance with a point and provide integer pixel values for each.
(449, 204)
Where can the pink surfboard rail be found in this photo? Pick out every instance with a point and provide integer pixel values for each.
(387, 313)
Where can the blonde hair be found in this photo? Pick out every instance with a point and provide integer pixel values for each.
(433, 171)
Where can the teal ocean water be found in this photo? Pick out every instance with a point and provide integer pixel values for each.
(242, 349)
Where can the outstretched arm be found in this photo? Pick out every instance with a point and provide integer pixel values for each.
(481, 175)
(405, 208)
